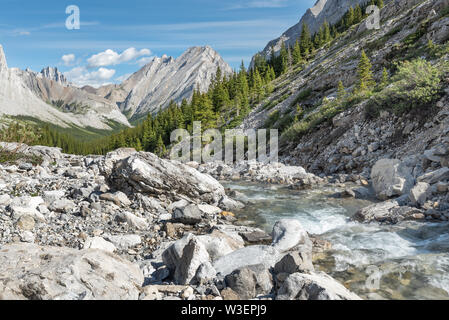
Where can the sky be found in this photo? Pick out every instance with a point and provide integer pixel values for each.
(116, 38)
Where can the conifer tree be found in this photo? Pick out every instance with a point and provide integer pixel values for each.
(327, 32)
(350, 17)
(296, 54)
(365, 73)
(341, 92)
(358, 15)
(385, 78)
(305, 40)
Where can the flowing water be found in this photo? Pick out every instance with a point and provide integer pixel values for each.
(405, 261)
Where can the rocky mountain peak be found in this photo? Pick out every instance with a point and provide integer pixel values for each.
(54, 74)
(3, 64)
(166, 78)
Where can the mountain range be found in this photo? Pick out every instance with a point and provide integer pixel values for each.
(49, 97)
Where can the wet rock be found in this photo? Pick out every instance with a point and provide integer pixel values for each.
(48, 273)
(376, 212)
(420, 193)
(268, 256)
(289, 234)
(391, 177)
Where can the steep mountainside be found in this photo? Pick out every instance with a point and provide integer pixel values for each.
(25, 93)
(324, 10)
(165, 79)
(327, 133)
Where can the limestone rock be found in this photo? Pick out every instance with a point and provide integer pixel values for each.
(49, 273)
(391, 178)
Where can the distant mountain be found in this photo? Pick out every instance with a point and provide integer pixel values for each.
(324, 10)
(47, 96)
(165, 79)
(54, 75)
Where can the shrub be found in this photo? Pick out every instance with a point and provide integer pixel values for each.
(417, 84)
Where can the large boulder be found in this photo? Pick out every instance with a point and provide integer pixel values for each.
(288, 234)
(387, 212)
(294, 262)
(390, 178)
(435, 176)
(184, 258)
(248, 282)
(315, 286)
(32, 272)
(267, 256)
(148, 174)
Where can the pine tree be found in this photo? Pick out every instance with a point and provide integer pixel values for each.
(350, 17)
(296, 54)
(160, 146)
(341, 92)
(365, 73)
(305, 40)
(385, 78)
(380, 4)
(327, 32)
(358, 15)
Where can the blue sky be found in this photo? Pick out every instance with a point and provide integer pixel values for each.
(117, 37)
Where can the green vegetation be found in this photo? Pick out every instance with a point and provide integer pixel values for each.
(416, 84)
(22, 133)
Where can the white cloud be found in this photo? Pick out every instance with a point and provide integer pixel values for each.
(68, 59)
(81, 76)
(110, 57)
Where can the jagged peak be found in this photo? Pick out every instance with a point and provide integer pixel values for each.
(3, 64)
(53, 74)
